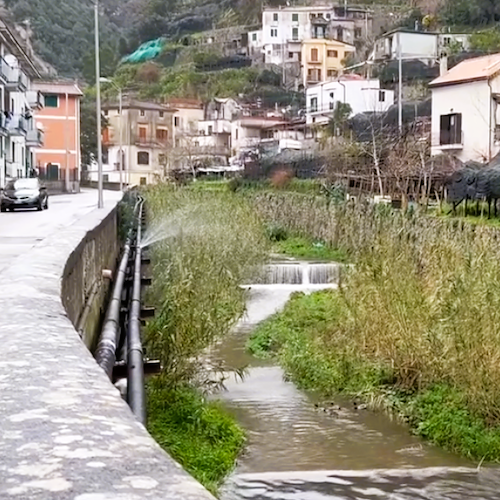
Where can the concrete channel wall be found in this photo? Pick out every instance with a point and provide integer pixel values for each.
(65, 432)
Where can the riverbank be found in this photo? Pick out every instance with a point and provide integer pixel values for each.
(415, 326)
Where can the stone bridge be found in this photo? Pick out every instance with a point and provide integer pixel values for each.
(65, 432)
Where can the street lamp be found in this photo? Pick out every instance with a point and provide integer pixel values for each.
(120, 112)
(100, 200)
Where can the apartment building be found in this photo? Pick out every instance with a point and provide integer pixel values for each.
(19, 134)
(285, 27)
(322, 59)
(363, 96)
(143, 136)
(59, 158)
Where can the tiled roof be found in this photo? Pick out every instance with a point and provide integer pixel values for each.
(471, 70)
(57, 88)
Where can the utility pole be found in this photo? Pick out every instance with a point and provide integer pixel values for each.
(100, 200)
(120, 97)
(400, 85)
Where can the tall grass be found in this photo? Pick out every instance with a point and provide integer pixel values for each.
(422, 299)
(215, 243)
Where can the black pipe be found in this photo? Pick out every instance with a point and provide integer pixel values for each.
(109, 340)
(136, 393)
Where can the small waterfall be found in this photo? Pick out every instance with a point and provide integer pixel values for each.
(300, 273)
(320, 274)
(284, 274)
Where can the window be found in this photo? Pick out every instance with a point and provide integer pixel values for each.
(290, 55)
(332, 53)
(254, 37)
(142, 112)
(143, 132)
(332, 94)
(105, 156)
(332, 105)
(274, 32)
(331, 73)
(295, 33)
(275, 17)
(357, 33)
(162, 159)
(451, 129)
(106, 112)
(328, 16)
(314, 55)
(177, 121)
(162, 134)
(295, 18)
(105, 178)
(210, 130)
(381, 96)
(162, 114)
(143, 181)
(314, 104)
(51, 101)
(143, 158)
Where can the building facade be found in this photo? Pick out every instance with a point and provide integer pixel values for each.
(59, 159)
(322, 59)
(417, 45)
(143, 134)
(18, 131)
(361, 95)
(466, 110)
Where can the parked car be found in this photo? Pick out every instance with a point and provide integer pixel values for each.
(24, 193)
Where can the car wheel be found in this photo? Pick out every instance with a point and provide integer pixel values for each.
(3, 209)
(40, 206)
(47, 204)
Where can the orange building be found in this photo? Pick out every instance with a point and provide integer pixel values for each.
(60, 157)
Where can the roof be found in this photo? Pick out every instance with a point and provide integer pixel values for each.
(326, 41)
(184, 103)
(134, 104)
(470, 70)
(58, 87)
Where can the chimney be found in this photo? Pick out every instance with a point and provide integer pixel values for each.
(443, 65)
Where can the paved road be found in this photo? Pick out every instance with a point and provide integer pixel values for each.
(21, 230)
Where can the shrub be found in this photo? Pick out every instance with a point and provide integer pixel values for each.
(281, 178)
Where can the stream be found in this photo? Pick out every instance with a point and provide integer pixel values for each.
(296, 451)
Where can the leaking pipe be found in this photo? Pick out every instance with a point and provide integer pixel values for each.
(136, 394)
(105, 354)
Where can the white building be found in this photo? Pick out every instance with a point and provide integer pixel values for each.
(466, 110)
(418, 45)
(284, 27)
(362, 95)
(18, 130)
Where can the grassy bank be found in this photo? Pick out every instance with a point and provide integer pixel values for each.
(310, 343)
(418, 314)
(203, 245)
(200, 435)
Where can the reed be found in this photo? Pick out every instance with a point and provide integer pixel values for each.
(422, 299)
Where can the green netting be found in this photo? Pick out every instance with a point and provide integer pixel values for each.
(146, 52)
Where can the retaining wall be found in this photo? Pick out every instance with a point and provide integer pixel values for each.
(65, 432)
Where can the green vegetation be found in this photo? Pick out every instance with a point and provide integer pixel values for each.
(214, 242)
(415, 324)
(201, 436)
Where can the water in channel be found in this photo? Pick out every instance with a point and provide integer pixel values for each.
(297, 451)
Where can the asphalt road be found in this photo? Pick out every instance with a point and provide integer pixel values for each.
(21, 230)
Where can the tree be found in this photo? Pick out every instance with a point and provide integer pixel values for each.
(88, 127)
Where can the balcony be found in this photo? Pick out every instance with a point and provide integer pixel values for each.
(17, 81)
(3, 124)
(16, 125)
(35, 99)
(4, 70)
(34, 138)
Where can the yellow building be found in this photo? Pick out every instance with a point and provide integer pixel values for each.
(322, 59)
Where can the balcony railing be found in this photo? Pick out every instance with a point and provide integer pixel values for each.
(16, 79)
(16, 125)
(34, 138)
(35, 99)
(4, 70)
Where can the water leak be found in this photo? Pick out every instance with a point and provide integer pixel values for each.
(297, 451)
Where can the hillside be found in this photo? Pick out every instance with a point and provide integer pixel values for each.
(63, 36)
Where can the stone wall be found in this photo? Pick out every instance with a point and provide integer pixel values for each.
(83, 282)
